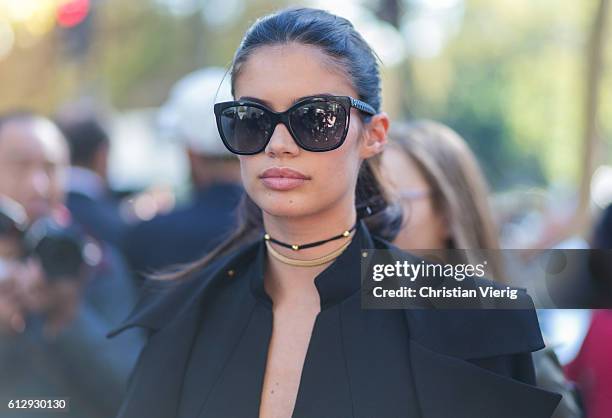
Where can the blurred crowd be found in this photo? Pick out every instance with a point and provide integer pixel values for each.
(72, 255)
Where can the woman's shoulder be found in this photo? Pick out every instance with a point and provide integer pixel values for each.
(474, 333)
(161, 300)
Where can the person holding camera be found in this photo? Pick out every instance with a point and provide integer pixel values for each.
(53, 279)
(32, 156)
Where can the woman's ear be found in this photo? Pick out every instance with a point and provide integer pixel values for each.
(375, 135)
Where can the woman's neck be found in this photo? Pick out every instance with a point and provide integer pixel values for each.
(296, 284)
(309, 229)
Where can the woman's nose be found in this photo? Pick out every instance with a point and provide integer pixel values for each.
(282, 143)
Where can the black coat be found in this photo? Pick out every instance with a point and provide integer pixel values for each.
(465, 364)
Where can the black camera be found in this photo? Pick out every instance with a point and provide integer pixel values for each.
(61, 249)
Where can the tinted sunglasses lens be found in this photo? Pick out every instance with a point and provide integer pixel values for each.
(245, 128)
(319, 126)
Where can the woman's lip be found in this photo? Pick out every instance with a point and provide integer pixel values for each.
(282, 183)
(283, 172)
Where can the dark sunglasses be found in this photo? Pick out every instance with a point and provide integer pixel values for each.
(317, 123)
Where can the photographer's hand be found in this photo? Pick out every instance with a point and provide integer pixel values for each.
(11, 312)
(56, 299)
(26, 290)
(31, 287)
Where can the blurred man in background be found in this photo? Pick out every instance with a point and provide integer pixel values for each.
(188, 233)
(55, 312)
(33, 157)
(89, 198)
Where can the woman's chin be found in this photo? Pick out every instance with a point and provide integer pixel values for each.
(285, 211)
(285, 206)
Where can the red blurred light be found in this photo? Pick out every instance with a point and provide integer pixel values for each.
(72, 12)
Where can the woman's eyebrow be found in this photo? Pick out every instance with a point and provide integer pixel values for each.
(266, 103)
(254, 99)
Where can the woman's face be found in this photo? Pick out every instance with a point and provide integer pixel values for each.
(424, 227)
(278, 76)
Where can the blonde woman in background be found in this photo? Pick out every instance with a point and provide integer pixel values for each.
(435, 175)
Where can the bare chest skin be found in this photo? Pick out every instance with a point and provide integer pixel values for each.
(291, 331)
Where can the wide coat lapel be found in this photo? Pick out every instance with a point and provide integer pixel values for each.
(444, 341)
(171, 312)
(451, 387)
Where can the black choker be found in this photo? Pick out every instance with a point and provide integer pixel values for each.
(296, 247)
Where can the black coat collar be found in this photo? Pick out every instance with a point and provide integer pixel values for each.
(442, 342)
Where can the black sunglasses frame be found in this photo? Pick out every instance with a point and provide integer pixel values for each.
(347, 102)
